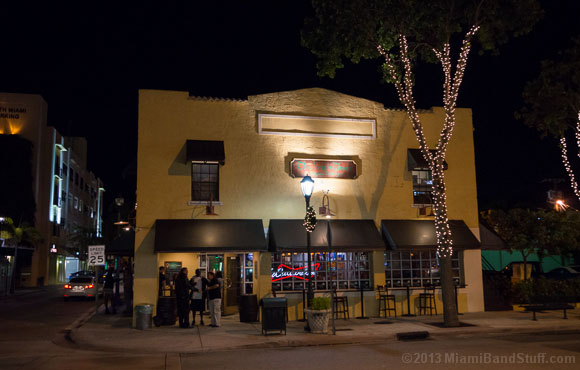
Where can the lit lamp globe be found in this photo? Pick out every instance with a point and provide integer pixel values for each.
(307, 186)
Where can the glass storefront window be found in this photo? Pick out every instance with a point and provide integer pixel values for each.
(344, 270)
(418, 268)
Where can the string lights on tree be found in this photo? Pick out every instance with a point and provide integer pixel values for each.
(435, 159)
(310, 219)
(566, 161)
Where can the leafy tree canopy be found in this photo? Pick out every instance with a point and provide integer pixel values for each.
(352, 30)
(541, 231)
(552, 100)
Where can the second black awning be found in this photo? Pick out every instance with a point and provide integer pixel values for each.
(346, 235)
(416, 161)
(209, 236)
(420, 234)
(205, 151)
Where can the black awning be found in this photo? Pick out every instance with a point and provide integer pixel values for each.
(124, 245)
(490, 240)
(346, 235)
(420, 234)
(209, 236)
(415, 160)
(205, 151)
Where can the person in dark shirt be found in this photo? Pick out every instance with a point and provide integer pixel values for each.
(108, 288)
(182, 289)
(215, 299)
(162, 280)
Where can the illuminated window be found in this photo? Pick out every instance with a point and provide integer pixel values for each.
(418, 268)
(205, 182)
(343, 270)
(422, 187)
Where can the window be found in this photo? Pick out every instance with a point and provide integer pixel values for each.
(72, 175)
(76, 203)
(205, 182)
(418, 268)
(248, 274)
(422, 187)
(76, 178)
(345, 270)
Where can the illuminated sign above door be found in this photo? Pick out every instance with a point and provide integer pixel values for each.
(323, 168)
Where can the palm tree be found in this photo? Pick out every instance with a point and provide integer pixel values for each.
(16, 235)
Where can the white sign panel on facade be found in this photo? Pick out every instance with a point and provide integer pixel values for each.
(96, 255)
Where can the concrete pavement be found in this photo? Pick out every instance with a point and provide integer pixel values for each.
(113, 333)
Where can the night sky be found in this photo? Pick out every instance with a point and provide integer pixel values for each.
(88, 61)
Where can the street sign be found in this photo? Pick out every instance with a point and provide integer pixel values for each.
(96, 255)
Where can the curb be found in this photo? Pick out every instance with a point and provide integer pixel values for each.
(320, 341)
(79, 322)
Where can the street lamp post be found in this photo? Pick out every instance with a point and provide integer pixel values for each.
(307, 187)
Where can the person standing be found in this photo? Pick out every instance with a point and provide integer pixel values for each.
(162, 280)
(215, 300)
(108, 288)
(198, 286)
(182, 288)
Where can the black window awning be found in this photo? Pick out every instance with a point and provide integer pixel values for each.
(205, 151)
(346, 235)
(420, 234)
(209, 236)
(124, 245)
(415, 160)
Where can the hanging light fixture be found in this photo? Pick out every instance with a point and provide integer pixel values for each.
(324, 210)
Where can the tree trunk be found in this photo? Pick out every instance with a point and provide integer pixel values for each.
(445, 248)
(450, 318)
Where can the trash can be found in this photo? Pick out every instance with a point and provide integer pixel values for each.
(248, 308)
(274, 314)
(144, 312)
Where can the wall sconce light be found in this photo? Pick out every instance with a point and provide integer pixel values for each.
(324, 210)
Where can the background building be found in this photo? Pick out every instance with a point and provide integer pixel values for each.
(246, 158)
(67, 195)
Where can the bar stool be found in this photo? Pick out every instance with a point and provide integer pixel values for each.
(427, 300)
(341, 307)
(385, 300)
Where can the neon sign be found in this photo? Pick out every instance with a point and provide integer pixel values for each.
(286, 272)
(325, 168)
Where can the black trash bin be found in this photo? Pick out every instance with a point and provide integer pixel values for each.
(273, 315)
(166, 311)
(248, 308)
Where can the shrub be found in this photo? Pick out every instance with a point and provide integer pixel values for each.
(320, 303)
(541, 289)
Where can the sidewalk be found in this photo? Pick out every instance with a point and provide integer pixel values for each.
(113, 333)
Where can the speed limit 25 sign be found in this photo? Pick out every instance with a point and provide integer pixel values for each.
(96, 255)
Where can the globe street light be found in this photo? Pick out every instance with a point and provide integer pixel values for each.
(307, 187)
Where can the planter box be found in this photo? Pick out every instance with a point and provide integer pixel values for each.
(318, 320)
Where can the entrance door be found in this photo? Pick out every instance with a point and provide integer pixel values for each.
(232, 283)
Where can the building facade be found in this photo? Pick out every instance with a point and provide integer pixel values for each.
(68, 196)
(218, 188)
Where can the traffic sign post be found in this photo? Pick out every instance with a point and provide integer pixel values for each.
(97, 259)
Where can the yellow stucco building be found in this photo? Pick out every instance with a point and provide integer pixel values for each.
(247, 157)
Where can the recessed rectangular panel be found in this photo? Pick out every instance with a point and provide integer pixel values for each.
(279, 124)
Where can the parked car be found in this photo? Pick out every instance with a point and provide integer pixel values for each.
(84, 287)
(562, 273)
(83, 273)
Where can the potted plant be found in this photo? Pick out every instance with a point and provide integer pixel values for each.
(318, 315)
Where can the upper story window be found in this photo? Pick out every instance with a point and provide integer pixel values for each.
(422, 187)
(205, 182)
(205, 158)
(422, 178)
